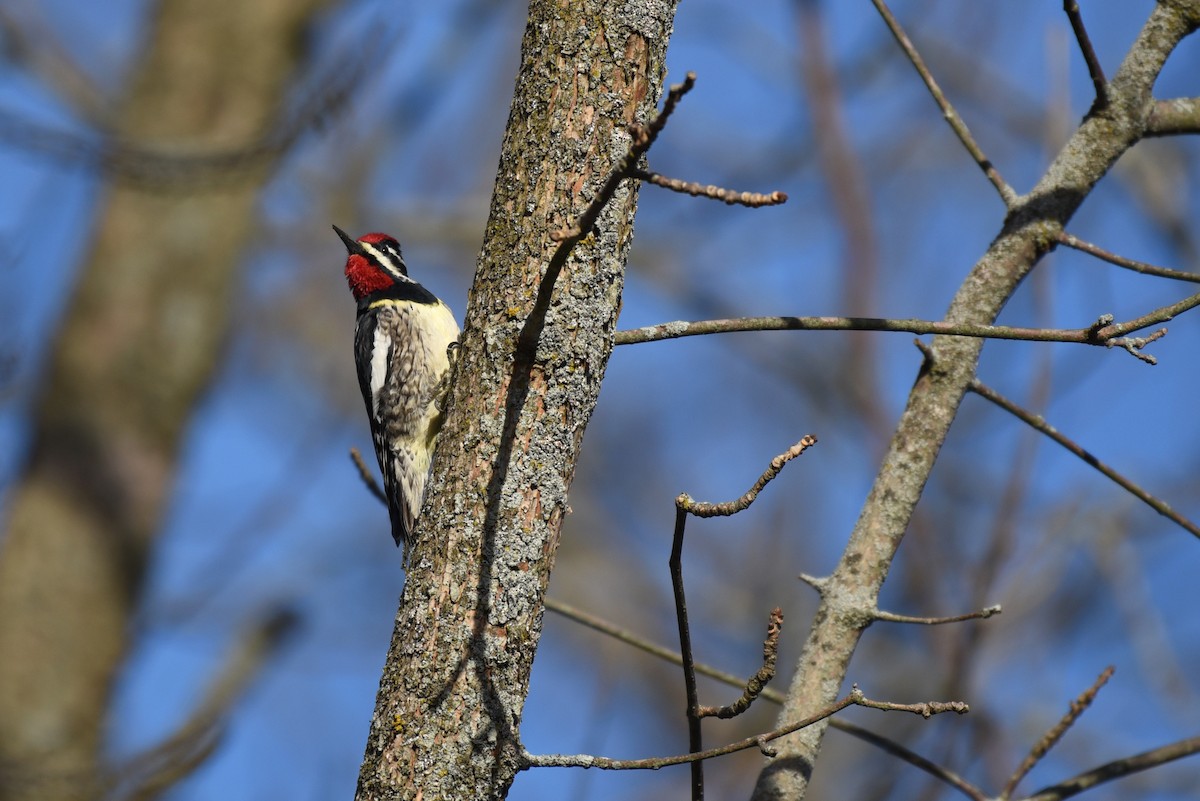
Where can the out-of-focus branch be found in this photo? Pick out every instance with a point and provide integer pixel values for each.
(1117, 769)
(1055, 733)
(148, 774)
(368, 478)
(843, 171)
(154, 166)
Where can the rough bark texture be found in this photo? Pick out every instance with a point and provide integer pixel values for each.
(850, 596)
(138, 344)
(450, 699)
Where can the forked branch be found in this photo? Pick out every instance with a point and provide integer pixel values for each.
(684, 506)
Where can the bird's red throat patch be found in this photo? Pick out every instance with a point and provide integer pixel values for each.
(364, 277)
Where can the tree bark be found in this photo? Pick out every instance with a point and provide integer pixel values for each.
(850, 595)
(139, 343)
(537, 338)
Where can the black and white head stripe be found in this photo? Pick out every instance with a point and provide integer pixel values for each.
(386, 254)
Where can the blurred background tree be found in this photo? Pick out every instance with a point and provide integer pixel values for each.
(179, 391)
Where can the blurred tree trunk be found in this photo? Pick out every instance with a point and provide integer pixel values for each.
(450, 699)
(139, 343)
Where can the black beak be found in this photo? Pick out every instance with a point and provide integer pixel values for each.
(352, 247)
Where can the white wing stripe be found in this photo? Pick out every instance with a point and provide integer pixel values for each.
(381, 353)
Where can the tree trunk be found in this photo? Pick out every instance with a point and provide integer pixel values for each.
(138, 345)
(538, 336)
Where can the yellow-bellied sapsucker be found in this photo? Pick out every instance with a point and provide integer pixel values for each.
(404, 341)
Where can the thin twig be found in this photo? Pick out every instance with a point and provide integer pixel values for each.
(1048, 740)
(629, 638)
(1007, 194)
(367, 478)
(855, 698)
(982, 614)
(758, 682)
(1089, 53)
(1117, 769)
(685, 503)
(1109, 333)
(1039, 423)
(729, 196)
(643, 138)
(1120, 261)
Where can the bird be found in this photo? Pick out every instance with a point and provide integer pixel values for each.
(405, 342)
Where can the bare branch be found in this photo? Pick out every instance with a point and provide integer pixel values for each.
(982, 614)
(629, 638)
(1089, 54)
(728, 196)
(758, 682)
(1120, 261)
(1180, 115)
(911, 757)
(1007, 194)
(1078, 707)
(367, 477)
(1104, 333)
(854, 698)
(1117, 769)
(1038, 423)
(685, 503)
